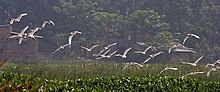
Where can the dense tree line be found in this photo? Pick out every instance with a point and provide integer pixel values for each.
(113, 17)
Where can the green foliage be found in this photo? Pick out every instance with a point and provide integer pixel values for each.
(147, 20)
(109, 22)
(144, 83)
(60, 38)
(162, 40)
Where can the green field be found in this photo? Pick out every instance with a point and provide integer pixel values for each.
(99, 75)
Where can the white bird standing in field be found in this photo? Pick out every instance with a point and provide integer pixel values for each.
(47, 22)
(18, 19)
(124, 55)
(194, 63)
(143, 52)
(20, 35)
(192, 73)
(190, 35)
(131, 63)
(168, 68)
(33, 31)
(110, 45)
(213, 64)
(152, 56)
(73, 34)
(89, 49)
(61, 47)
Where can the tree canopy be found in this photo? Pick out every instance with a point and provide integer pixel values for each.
(98, 18)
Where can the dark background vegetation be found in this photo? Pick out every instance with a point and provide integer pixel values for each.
(94, 18)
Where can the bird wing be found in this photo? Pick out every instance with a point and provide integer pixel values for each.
(56, 50)
(110, 45)
(187, 74)
(156, 54)
(118, 55)
(170, 50)
(112, 54)
(100, 52)
(138, 64)
(162, 71)
(20, 40)
(21, 15)
(185, 39)
(138, 52)
(38, 36)
(44, 23)
(196, 36)
(197, 73)
(94, 46)
(126, 51)
(70, 39)
(84, 48)
(145, 61)
(172, 68)
(106, 52)
(209, 65)
(141, 43)
(125, 66)
(208, 73)
(147, 49)
(13, 36)
(66, 45)
(198, 59)
(186, 63)
(52, 22)
(36, 29)
(23, 30)
(100, 57)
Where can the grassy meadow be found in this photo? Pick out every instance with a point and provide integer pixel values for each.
(92, 69)
(89, 75)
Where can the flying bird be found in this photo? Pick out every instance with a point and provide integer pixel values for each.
(61, 47)
(103, 55)
(47, 22)
(194, 63)
(73, 34)
(18, 19)
(110, 45)
(33, 31)
(152, 56)
(192, 73)
(190, 35)
(89, 49)
(124, 55)
(180, 46)
(110, 55)
(107, 56)
(131, 63)
(96, 55)
(20, 35)
(168, 68)
(141, 44)
(143, 52)
(213, 64)
(212, 69)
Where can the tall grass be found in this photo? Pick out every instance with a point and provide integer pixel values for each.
(92, 69)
